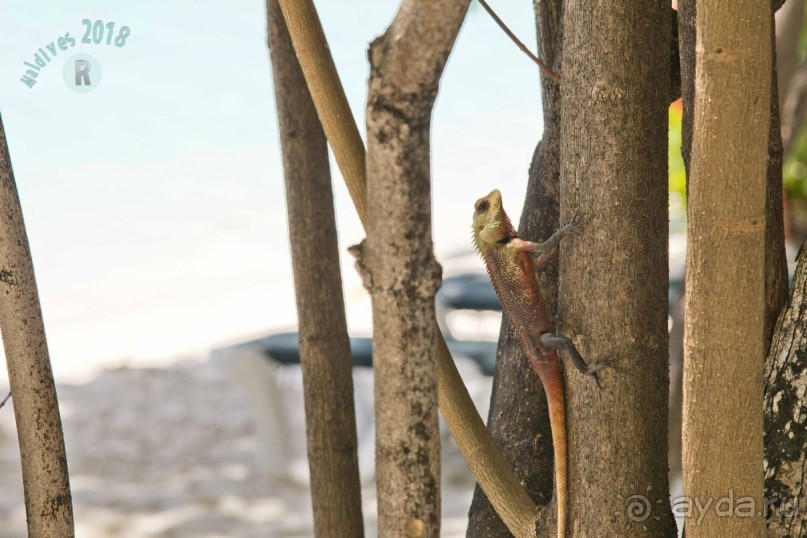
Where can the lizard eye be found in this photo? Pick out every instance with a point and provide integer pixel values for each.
(482, 205)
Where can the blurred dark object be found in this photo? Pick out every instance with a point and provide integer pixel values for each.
(284, 348)
(471, 291)
(468, 292)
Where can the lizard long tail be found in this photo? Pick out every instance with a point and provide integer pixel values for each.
(553, 385)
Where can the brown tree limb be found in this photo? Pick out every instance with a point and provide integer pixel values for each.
(785, 416)
(324, 344)
(484, 459)
(406, 64)
(686, 48)
(776, 281)
(48, 502)
(775, 267)
(726, 260)
(614, 273)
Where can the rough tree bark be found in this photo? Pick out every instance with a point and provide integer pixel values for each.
(776, 281)
(518, 419)
(725, 323)
(324, 345)
(48, 502)
(400, 271)
(613, 274)
(786, 414)
(480, 452)
(686, 53)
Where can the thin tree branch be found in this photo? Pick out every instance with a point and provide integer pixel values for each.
(324, 346)
(48, 503)
(545, 68)
(5, 399)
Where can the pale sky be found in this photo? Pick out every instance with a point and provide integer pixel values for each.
(154, 203)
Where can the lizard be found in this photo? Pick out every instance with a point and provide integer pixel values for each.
(509, 263)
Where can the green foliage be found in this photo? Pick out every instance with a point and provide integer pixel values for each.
(677, 177)
(794, 175)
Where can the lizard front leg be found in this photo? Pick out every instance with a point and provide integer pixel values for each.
(543, 252)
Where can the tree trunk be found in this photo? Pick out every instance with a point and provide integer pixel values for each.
(324, 344)
(614, 273)
(726, 260)
(775, 261)
(518, 419)
(785, 417)
(48, 502)
(400, 270)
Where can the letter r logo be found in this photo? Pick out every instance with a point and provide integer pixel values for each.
(83, 72)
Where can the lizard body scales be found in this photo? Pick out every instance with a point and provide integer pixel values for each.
(510, 265)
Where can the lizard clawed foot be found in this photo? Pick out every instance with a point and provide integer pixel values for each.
(575, 224)
(544, 251)
(595, 366)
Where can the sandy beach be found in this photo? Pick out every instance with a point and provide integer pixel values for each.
(171, 452)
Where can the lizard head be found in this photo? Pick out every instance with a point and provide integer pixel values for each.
(491, 224)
